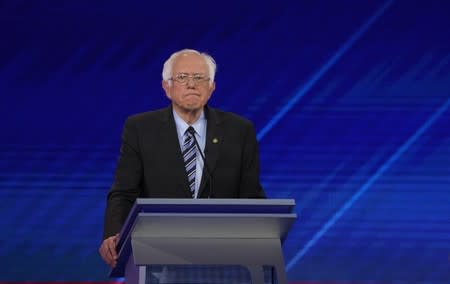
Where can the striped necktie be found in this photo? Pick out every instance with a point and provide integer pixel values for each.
(190, 158)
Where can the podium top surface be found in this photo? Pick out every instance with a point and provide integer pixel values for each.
(216, 201)
(177, 205)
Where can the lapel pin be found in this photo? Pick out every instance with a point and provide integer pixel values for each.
(215, 140)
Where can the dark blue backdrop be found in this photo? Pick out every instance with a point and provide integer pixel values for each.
(350, 100)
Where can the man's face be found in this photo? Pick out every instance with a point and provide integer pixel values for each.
(190, 89)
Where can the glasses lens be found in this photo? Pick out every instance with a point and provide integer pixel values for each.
(183, 78)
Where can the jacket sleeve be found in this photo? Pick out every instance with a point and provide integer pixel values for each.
(250, 186)
(127, 181)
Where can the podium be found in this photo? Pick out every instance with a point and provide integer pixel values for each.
(247, 233)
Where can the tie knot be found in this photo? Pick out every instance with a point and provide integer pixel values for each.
(190, 130)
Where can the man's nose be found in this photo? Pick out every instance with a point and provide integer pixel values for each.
(190, 82)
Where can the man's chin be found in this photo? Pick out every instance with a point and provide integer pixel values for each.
(192, 107)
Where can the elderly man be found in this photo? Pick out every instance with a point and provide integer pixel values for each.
(187, 150)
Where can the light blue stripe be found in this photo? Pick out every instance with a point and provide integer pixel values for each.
(369, 183)
(316, 77)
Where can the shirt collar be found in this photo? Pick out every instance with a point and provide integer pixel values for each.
(182, 126)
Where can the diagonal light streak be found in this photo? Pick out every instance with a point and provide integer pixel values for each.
(403, 148)
(316, 77)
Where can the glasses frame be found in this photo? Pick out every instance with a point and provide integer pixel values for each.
(197, 78)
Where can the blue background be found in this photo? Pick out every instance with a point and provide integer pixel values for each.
(350, 100)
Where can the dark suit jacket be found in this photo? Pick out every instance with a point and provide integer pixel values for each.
(151, 164)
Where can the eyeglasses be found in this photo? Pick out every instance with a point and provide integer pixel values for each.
(183, 78)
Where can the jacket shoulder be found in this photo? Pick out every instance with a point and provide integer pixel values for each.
(148, 117)
(233, 118)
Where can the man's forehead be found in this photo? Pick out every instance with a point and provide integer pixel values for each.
(189, 59)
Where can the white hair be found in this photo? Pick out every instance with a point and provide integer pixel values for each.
(168, 65)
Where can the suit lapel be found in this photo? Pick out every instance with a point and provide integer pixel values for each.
(212, 147)
(169, 140)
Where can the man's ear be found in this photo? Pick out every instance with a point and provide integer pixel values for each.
(212, 88)
(165, 85)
